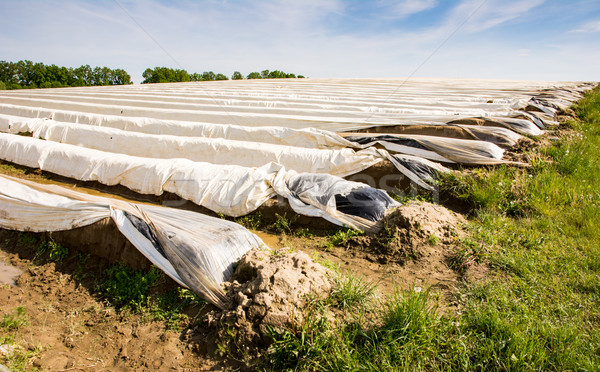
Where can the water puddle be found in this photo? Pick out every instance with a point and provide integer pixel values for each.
(8, 274)
(271, 240)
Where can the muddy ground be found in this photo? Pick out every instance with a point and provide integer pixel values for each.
(69, 326)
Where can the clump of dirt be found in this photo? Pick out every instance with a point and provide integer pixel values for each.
(411, 231)
(269, 290)
(519, 152)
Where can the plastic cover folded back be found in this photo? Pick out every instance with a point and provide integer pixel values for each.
(200, 253)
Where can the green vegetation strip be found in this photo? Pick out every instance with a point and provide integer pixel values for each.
(538, 309)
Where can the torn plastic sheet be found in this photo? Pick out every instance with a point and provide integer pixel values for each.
(202, 254)
(228, 189)
(352, 203)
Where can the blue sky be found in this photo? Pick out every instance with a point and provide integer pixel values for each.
(511, 39)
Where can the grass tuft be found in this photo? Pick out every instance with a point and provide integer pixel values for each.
(351, 291)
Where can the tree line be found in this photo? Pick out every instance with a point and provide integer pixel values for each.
(170, 75)
(27, 74)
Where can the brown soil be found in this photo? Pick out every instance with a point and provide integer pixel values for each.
(71, 328)
(428, 130)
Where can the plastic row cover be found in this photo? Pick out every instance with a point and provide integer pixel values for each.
(228, 189)
(199, 251)
(332, 104)
(303, 137)
(340, 161)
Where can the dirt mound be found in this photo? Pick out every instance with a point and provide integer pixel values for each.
(421, 221)
(410, 232)
(269, 290)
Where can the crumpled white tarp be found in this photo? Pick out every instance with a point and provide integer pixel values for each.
(209, 246)
(229, 189)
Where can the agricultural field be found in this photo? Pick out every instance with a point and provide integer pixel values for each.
(495, 269)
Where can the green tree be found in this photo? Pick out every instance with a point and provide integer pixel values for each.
(236, 76)
(264, 74)
(121, 77)
(83, 76)
(221, 77)
(209, 76)
(254, 75)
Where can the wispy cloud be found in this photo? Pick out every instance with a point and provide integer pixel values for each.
(591, 26)
(405, 8)
(491, 13)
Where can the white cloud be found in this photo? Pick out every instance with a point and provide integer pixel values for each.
(405, 8)
(491, 13)
(591, 26)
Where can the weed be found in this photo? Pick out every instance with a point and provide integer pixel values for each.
(433, 239)
(325, 263)
(304, 233)
(283, 224)
(26, 239)
(81, 260)
(125, 288)
(18, 359)
(250, 221)
(12, 322)
(57, 252)
(342, 237)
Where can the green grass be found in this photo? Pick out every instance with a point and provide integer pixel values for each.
(56, 251)
(16, 357)
(130, 290)
(351, 291)
(12, 322)
(283, 224)
(539, 309)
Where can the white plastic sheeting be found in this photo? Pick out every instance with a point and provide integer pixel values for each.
(331, 104)
(187, 138)
(206, 247)
(229, 189)
(342, 161)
